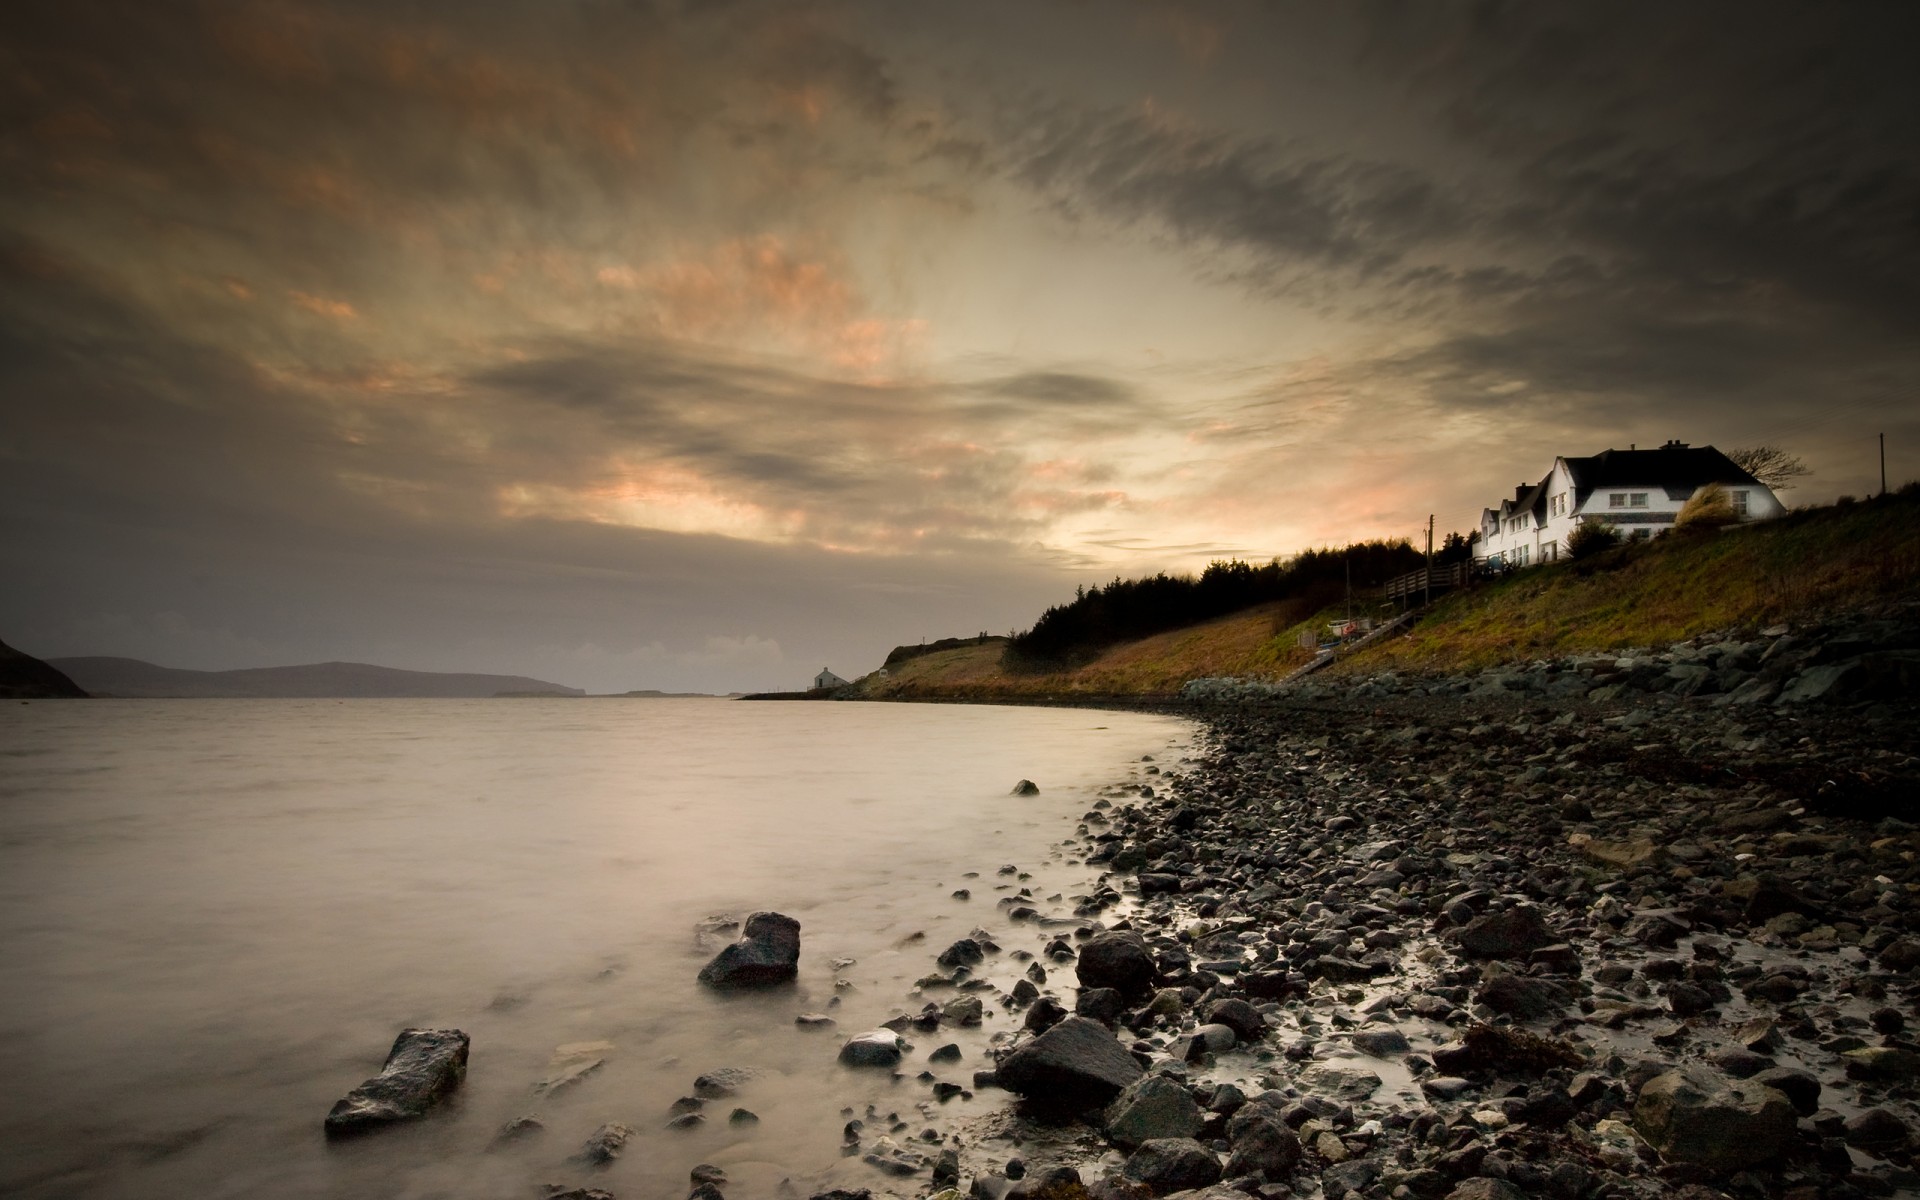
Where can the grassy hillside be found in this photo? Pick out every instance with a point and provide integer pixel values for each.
(1243, 644)
(1804, 565)
(1809, 564)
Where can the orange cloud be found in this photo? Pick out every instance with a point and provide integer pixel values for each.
(338, 310)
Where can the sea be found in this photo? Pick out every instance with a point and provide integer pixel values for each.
(216, 915)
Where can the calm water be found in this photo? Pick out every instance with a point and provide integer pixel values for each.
(215, 915)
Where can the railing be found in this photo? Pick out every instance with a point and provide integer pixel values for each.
(1415, 583)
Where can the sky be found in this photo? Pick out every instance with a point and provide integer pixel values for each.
(699, 344)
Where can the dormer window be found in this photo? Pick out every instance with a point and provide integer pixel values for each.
(1627, 500)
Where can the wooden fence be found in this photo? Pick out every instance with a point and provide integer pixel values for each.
(1415, 584)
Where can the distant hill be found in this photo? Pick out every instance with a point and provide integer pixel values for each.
(316, 681)
(24, 677)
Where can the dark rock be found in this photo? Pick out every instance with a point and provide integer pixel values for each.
(604, 1144)
(963, 953)
(1243, 1018)
(1076, 1065)
(1523, 997)
(1875, 1128)
(1697, 1116)
(1168, 1165)
(767, 953)
(1153, 1107)
(743, 1116)
(1514, 933)
(1484, 1187)
(1102, 1004)
(424, 1067)
(1044, 1015)
(1382, 1043)
(724, 1082)
(875, 1048)
(1118, 960)
(1026, 787)
(1262, 1145)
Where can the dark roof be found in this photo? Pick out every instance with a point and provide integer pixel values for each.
(1686, 467)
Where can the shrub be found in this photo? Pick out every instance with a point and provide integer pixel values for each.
(1706, 511)
(1590, 538)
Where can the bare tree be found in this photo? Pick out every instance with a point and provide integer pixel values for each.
(1769, 464)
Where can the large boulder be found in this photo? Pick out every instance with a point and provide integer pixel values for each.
(767, 953)
(423, 1068)
(1153, 1107)
(1119, 960)
(1696, 1115)
(1169, 1165)
(1076, 1065)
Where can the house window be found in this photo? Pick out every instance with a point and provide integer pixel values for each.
(1616, 500)
(1636, 500)
(1519, 556)
(1739, 504)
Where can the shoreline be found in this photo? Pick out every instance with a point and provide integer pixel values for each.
(1654, 887)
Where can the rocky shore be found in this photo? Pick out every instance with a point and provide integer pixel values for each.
(1650, 933)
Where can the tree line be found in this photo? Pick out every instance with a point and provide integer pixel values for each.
(1068, 635)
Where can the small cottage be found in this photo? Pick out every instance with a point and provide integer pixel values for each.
(827, 679)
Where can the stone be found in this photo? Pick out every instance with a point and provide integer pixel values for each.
(1523, 997)
(963, 1010)
(1026, 787)
(723, 1082)
(424, 1067)
(1484, 1187)
(963, 953)
(1633, 852)
(604, 1144)
(1169, 1165)
(1102, 1004)
(1118, 960)
(1697, 1116)
(875, 1048)
(1075, 1065)
(1801, 1088)
(768, 953)
(1514, 933)
(1151, 1107)
(1382, 1043)
(1261, 1145)
(1882, 1064)
(1875, 1128)
(1243, 1018)
(1344, 1083)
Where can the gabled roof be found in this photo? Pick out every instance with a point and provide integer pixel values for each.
(1671, 466)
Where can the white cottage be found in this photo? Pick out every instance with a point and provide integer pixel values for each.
(827, 679)
(1640, 492)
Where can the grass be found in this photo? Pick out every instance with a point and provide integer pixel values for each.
(1792, 569)
(1798, 567)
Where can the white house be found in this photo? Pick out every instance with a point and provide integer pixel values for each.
(827, 679)
(1638, 491)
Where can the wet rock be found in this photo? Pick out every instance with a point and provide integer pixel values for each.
(1169, 1165)
(1882, 1064)
(1117, 960)
(604, 1144)
(1382, 1043)
(424, 1067)
(963, 1010)
(964, 953)
(1152, 1107)
(1075, 1065)
(1243, 1018)
(1482, 1187)
(875, 1048)
(555, 1192)
(1523, 997)
(519, 1129)
(724, 1082)
(1697, 1116)
(1101, 1004)
(1514, 933)
(1344, 1083)
(1044, 1015)
(1801, 1088)
(1876, 1128)
(768, 953)
(1261, 1145)
(1026, 787)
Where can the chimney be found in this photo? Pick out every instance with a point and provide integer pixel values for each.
(1674, 444)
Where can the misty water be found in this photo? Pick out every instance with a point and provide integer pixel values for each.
(216, 915)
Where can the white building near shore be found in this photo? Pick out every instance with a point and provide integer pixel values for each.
(827, 679)
(1640, 492)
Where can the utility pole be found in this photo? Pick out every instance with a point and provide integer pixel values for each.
(1883, 465)
(1429, 578)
